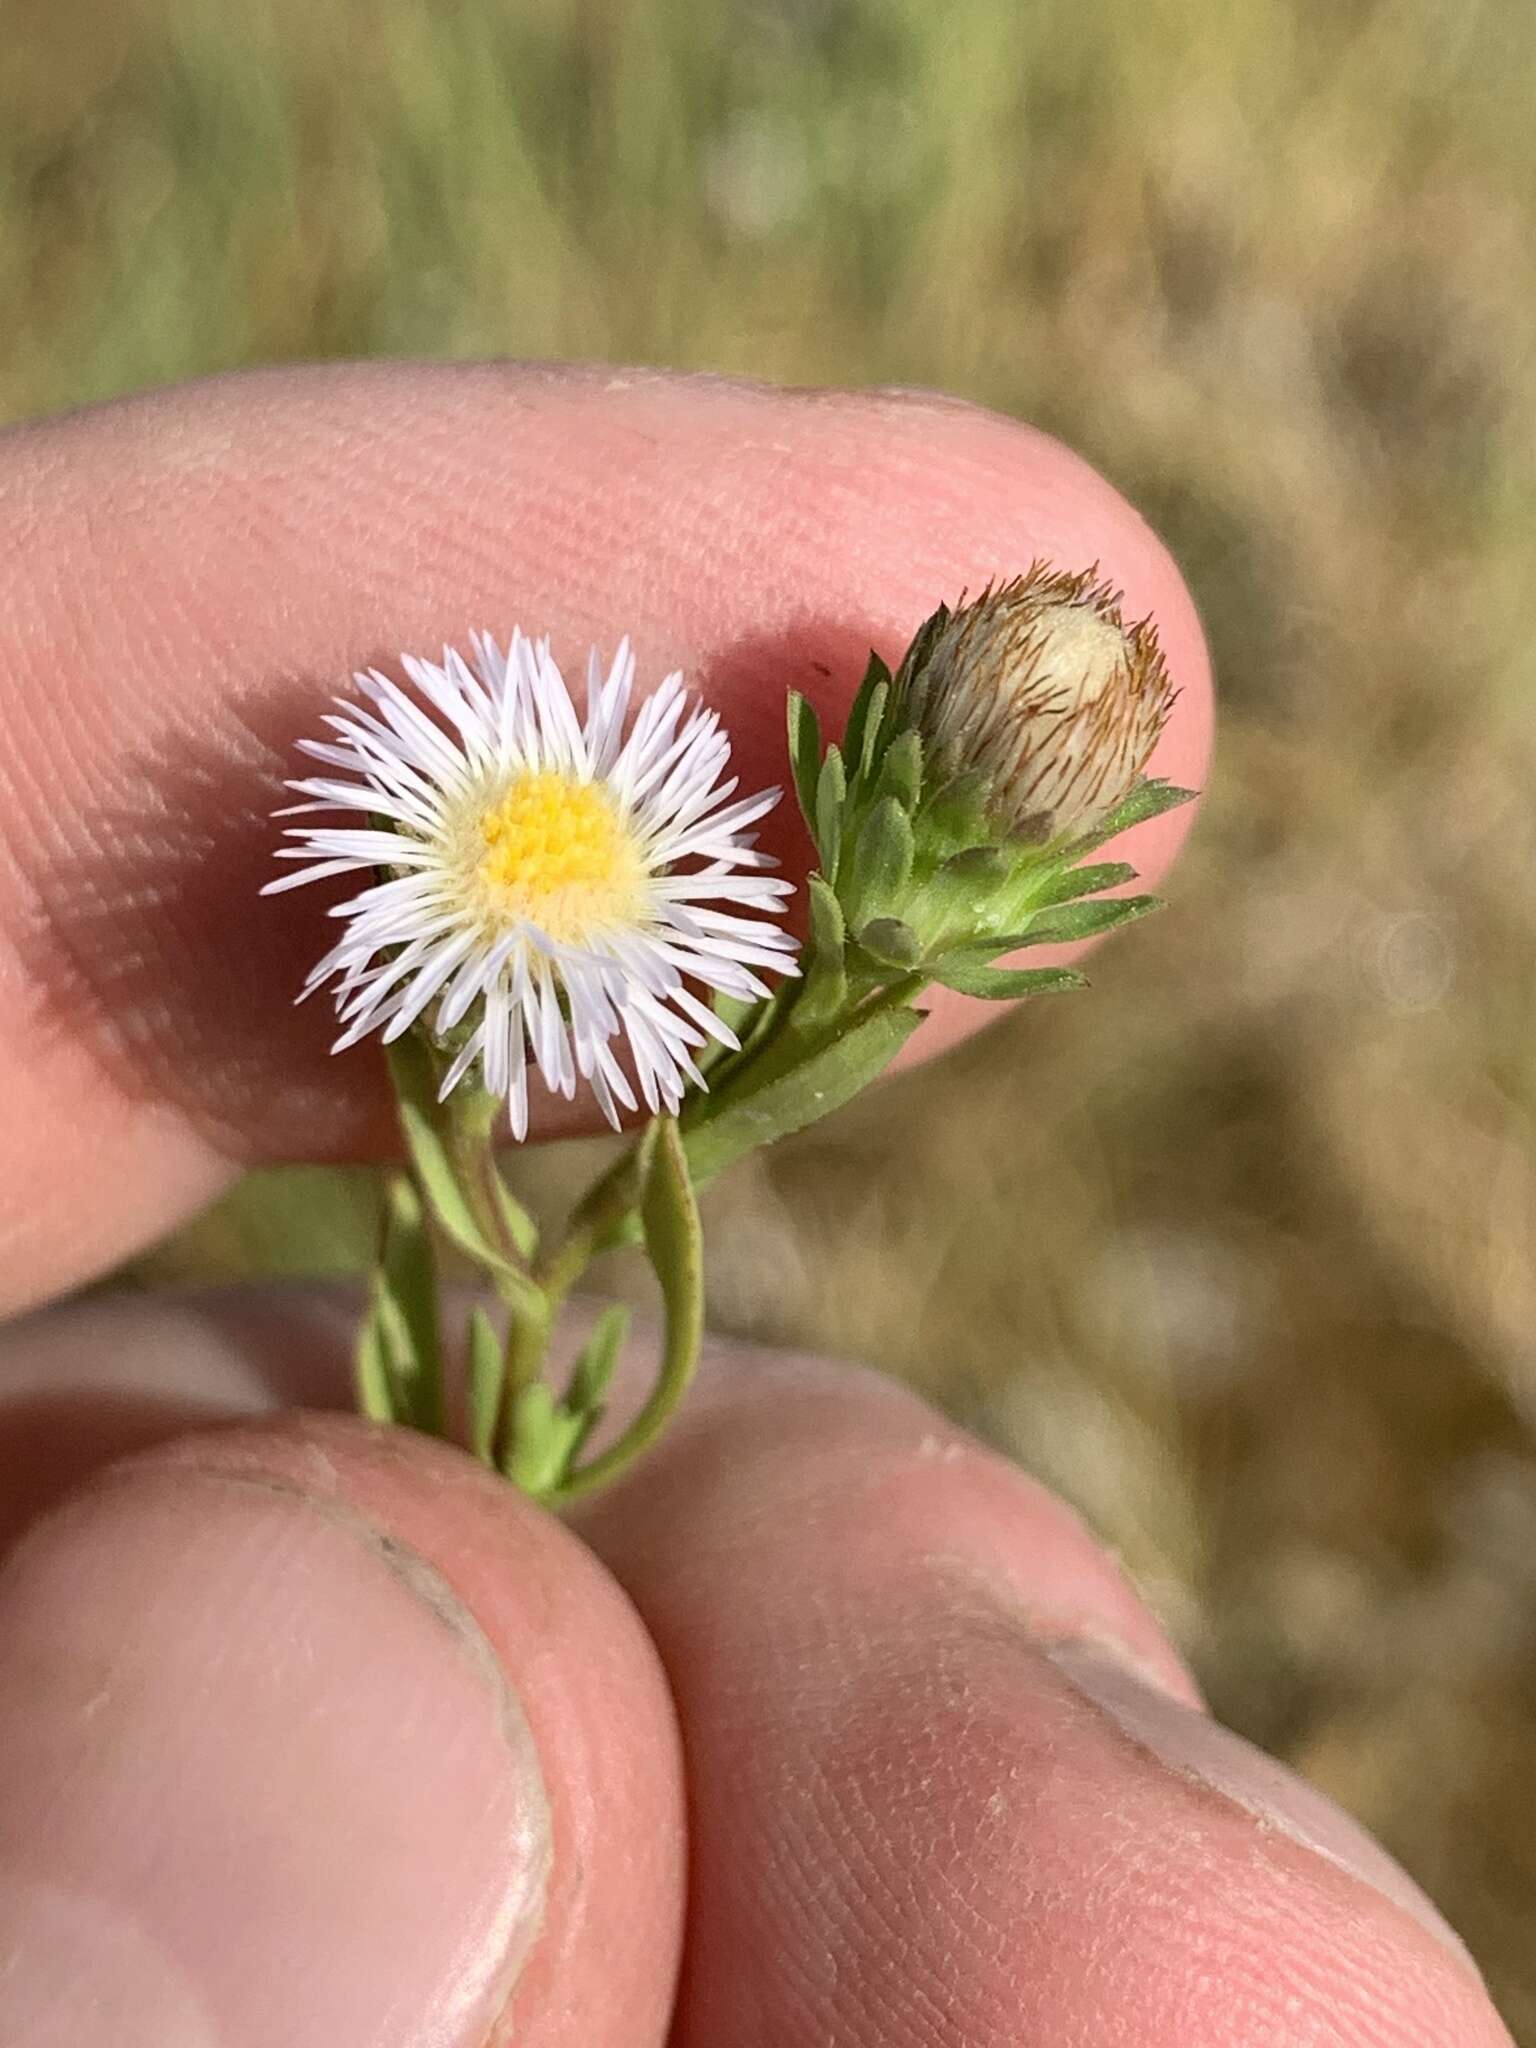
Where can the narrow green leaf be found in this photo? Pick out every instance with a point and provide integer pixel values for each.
(831, 794)
(544, 1435)
(804, 755)
(828, 932)
(879, 865)
(915, 660)
(889, 941)
(674, 1244)
(487, 1372)
(820, 1084)
(407, 1282)
(862, 732)
(1069, 922)
(1005, 984)
(1063, 925)
(398, 1347)
(825, 987)
(470, 1210)
(870, 738)
(520, 1226)
(586, 1399)
(901, 772)
(370, 1371)
(1147, 799)
(1074, 882)
(595, 1367)
(674, 1241)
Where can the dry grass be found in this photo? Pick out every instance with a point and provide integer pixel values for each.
(1238, 1250)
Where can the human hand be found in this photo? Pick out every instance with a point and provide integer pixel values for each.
(315, 1733)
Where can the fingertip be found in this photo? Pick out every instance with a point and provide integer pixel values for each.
(337, 1739)
(929, 1690)
(851, 1465)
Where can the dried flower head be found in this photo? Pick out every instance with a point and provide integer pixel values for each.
(543, 888)
(1042, 689)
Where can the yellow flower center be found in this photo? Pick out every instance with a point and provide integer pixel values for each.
(555, 850)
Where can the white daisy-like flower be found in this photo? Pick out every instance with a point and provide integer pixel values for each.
(551, 885)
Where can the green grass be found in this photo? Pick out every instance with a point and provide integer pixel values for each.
(1237, 1249)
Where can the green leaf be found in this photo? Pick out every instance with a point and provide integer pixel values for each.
(449, 1146)
(880, 864)
(1075, 882)
(1004, 984)
(831, 794)
(674, 1241)
(544, 1436)
(813, 1088)
(828, 932)
(861, 735)
(901, 772)
(1086, 920)
(397, 1363)
(370, 1369)
(889, 941)
(1063, 926)
(674, 1244)
(520, 1227)
(804, 755)
(915, 660)
(407, 1285)
(1147, 799)
(825, 987)
(487, 1373)
(595, 1367)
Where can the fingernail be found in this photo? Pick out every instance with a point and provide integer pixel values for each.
(1201, 1749)
(261, 1780)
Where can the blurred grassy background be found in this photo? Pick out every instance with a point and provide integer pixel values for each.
(1237, 1251)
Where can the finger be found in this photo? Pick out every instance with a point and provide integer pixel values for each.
(312, 1733)
(951, 1784)
(87, 1381)
(199, 569)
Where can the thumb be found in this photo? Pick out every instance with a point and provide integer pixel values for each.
(314, 1735)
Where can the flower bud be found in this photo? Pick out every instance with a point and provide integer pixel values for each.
(1042, 690)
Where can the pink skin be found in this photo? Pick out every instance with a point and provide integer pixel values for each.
(314, 1734)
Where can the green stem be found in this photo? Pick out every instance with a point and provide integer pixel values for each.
(473, 1153)
(528, 1332)
(528, 1335)
(608, 1203)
